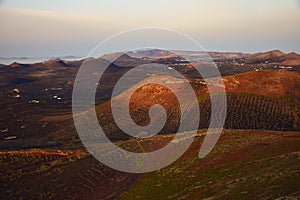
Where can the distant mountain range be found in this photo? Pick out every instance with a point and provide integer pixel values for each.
(274, 56)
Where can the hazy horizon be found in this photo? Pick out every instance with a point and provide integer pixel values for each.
(70, 56)
(71, 28)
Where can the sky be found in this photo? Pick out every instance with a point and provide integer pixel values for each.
(72, 27)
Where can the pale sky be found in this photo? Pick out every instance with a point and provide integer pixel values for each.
(72, 27)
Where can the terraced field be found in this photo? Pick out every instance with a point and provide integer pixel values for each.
(38, 174)
(244, 111)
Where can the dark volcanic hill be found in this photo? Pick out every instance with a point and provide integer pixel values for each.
(123, 60)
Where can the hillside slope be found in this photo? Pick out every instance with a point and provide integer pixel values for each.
(256, 100)
(243, 165)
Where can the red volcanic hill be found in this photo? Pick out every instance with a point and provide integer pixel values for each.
(276, 57)
(16, 64)
(255, 100)
(292, 55)
(57, 63)
(291, 59)
(271, 83)
(269, 55)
